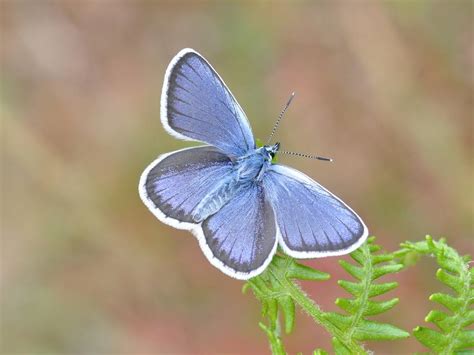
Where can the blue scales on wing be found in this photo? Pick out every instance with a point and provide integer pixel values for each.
(197, 105)
(312, 221)
(177, 182)
(242, 235)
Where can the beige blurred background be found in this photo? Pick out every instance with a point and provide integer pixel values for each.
(385, 88)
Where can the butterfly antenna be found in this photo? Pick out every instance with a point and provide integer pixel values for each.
(305, 155)
(280, 116)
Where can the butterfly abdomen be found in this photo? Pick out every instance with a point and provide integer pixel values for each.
(248, 170)
(217, 198)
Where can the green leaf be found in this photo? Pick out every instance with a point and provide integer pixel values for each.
(379, 289)
(371, 265)
(468, 318)
(276, 291)
(374, 308)
(339, 320)
(447, 263)
(358, 256)
(276, 344)
(347, 304)
(430, 338)
(369, 330)
(279, 293)
(441, 319)
(352, 287)
(450, 280)
(288, 307)
(455, 273)
(303, 272)
(386, 269)
(377, 259)
(465, 340)
(258, 285)
(450, 302)
(355, 271)
(339, 348)
(272, 310)
(374, 289)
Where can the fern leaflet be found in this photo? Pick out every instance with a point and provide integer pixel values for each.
(452, 335)
(354, 324)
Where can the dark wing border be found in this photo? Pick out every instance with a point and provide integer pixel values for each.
(196, 229)
(304, 179)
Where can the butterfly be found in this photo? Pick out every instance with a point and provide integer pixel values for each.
(229, 193)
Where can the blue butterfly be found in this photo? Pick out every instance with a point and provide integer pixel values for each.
(229, 193)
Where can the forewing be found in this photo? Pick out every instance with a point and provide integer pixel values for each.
(197, 105)
(312, 221)
(241, 239)
(174, 184)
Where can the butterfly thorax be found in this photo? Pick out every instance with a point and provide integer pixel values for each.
(252, 166)
(248, 169)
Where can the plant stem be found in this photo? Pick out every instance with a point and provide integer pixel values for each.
(273, 334)
(364, 297)
(273, 329)
(315, 312)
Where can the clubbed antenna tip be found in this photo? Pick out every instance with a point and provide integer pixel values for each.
(306, 156)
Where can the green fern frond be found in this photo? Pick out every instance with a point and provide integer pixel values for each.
(451, 335)
(273, 291)
(354, 324)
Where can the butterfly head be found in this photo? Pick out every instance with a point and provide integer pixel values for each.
(271, 151)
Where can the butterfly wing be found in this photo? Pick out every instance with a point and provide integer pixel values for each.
(197, 105)
(312, 221)
(173, 185)
(241, 238)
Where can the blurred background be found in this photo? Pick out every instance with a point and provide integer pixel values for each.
(384, 88)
